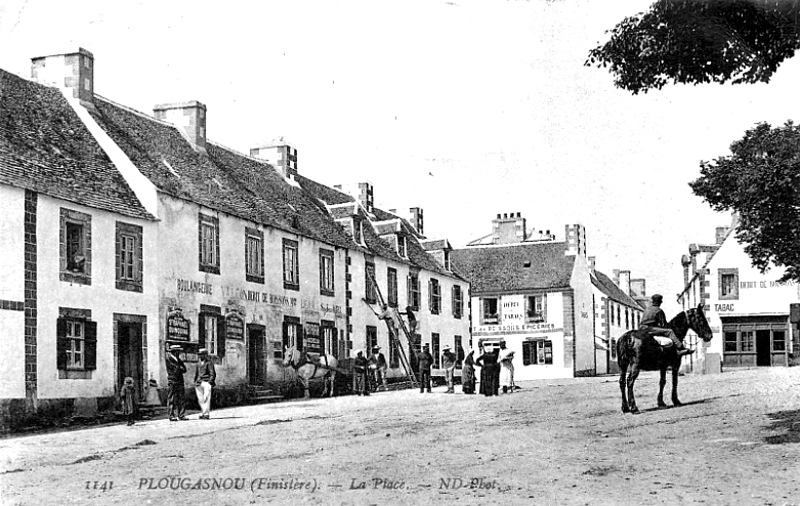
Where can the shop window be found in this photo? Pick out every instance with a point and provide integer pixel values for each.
(209, 243)
(76, 247)
(728, 284)
(76, 343)
(490, 307)
(254, 255)
(292, 333)
(747, 340)
(329, 342)
(435, 296)
(414, 290)
(326, 279)
(130, 265)
(435, 350)
(535, 308)
(778, 340)
(211, 331)
(291, 265)
(458, 301)
(730, 341)
(538, 352)
(391, 287)
(371, 290)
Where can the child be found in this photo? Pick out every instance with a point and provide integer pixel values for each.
(127, 395)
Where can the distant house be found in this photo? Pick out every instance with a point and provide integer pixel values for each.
(753, 316)
(536, 294)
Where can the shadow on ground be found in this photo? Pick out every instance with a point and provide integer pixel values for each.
(789, 422)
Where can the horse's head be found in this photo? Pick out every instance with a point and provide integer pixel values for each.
(697, 321)
(290, 355)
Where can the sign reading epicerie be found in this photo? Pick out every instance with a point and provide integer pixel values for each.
(185, 285)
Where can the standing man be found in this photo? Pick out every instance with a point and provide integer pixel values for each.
(425, 361)
(377, 362)
(449, 365)
(205, 377)
(654, 322)
(360, 379)
(175, 392)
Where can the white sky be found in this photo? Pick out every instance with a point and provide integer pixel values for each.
(465, 108)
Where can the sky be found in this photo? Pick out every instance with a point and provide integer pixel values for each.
(466, 108)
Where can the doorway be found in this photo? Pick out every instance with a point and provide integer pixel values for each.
(763, 354)
(256, 355)
(129, 354)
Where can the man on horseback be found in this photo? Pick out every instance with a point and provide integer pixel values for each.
(654, 323)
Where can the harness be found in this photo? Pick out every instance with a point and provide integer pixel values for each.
(305, 359)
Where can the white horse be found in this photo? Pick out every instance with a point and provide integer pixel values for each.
(307, 368)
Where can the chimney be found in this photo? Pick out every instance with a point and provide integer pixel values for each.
(576, 239)
(189, 118)
(592, 263)
(625, 282)
(686, 263)
(280, 155)
(366, 196)
(509, 229)
(721, 233)
(415, 217)
(637, 289)
(70, 71)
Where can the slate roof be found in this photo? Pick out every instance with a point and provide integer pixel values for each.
(46, 148)
(222, 179)
(612, 291)
(435, 245)
(503, 268)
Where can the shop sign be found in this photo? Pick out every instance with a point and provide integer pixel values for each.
(516, 329)
(177, 326)
(234, 326)
(311, 338)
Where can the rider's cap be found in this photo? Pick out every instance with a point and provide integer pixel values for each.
(657, 298)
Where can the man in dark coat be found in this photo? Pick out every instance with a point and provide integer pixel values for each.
(175, 388)
(360, 379)
(425, 361)
(449, 360)
(654, 322)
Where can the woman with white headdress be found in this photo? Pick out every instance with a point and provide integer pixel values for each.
(506, 358)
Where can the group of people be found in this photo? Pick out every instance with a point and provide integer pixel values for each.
(205, 376)
(497, 370)
(369, 373)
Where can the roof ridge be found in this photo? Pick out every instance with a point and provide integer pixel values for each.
(135, 111)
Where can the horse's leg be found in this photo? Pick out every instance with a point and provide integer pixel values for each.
(306, 381)
(623, 369)
(676, 366)
(661, 383)
(332, 379)
(632, 375)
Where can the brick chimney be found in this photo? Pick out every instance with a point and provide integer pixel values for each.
(687, 264)
(366, 196)
(624, 282)
(71, 71)
(189, 118)
(592, 261)
(508, 228)
(280, 155)
(415, 217)
(576, 239)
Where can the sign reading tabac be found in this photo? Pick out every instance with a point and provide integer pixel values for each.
(177, 326)
(234, 326)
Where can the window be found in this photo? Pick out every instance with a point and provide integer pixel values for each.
(434, 296)
(490, 311)
(209, 243)
(627, 323)
(619, 315)
(326, 280)
(292, 332)
(535, 308)
(391, 282)
(459, 352)
(778, 340)
(394, 358)
(371, 290)
(747, 340)
(291, 266)
(414, 295)
(728, 284)
(76, 342)
(435, 349)
(611, 312)
(372, 339)
(613, 348)
(358, 231)
(330, 344)
(539, 352)
(458, 301)
(75, 247)
(254, 255)
(402, 247)
(446, 260)
(129, 257)
(211, 333)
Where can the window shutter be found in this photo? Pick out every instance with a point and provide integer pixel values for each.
(90, 344)
(430, 294)
(201, 330)
(61, 343)
(300, 337)
(285, 334)
(527, 352)
(221, 329)
(455, 301)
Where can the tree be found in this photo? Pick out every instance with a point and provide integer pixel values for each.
(760, 181)
(700, 41)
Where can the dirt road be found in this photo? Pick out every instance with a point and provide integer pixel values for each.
(554, 442)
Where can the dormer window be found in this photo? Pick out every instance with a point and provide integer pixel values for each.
(447, 264)
(402, 246)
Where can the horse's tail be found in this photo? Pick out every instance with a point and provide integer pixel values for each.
(624, 347)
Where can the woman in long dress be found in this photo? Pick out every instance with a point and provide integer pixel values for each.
(468, 373)
(489, 370)
(506, 358)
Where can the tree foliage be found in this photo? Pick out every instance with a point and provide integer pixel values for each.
(760, 181)
(700, 41)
